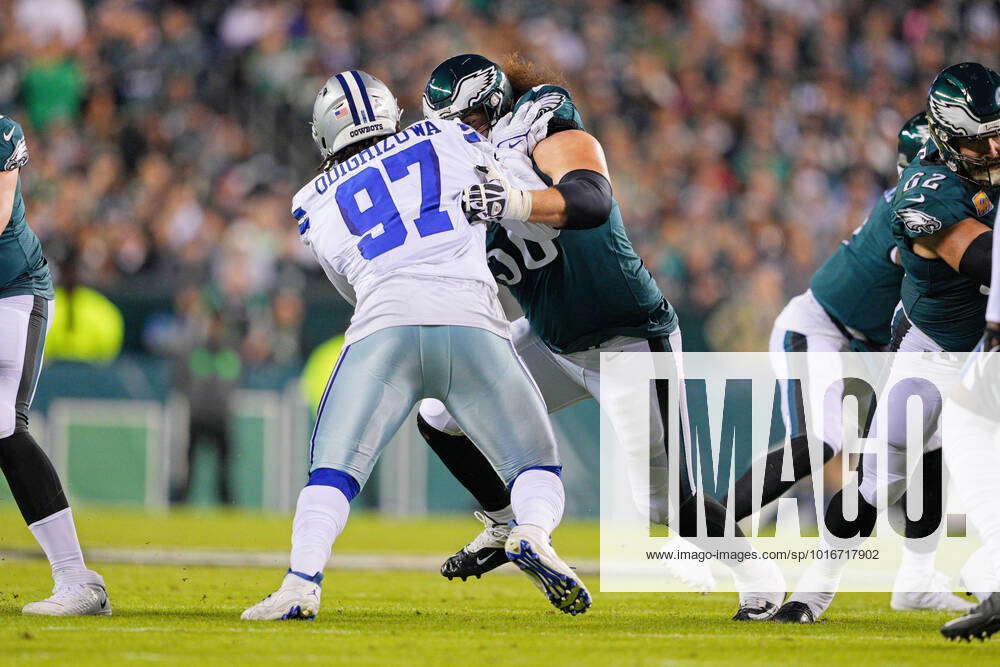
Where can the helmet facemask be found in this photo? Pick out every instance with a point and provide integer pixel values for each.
(982, 169)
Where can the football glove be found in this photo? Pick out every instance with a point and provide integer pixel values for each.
(524, 128)
(494, 199)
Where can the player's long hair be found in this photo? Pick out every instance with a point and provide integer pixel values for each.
(525, 75)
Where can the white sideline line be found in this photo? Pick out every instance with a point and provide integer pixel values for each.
(220, 558)
(255, 626)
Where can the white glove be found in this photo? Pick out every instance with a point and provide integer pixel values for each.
(524, 128)
(494, 199)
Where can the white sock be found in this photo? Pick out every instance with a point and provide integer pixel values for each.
(320, 515)
(506, 515)
(916, 562)
(974, 464)
(56, 534)
(538, 499)
(820, 582)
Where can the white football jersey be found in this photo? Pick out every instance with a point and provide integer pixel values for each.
(387, 227)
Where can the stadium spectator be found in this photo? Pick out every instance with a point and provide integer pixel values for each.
(168, 137)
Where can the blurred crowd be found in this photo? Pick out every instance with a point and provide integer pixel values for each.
(745, 138)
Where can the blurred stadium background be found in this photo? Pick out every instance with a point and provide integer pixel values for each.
(745, 140)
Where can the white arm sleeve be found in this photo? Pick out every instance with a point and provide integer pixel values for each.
(993, 305)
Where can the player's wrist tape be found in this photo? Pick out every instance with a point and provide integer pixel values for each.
(977, 261)
(518, 205)
(588, 199)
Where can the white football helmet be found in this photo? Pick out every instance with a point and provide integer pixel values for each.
(352, 106)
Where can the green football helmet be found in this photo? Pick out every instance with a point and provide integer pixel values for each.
(963, 111)
(912, 138)
(464, 84)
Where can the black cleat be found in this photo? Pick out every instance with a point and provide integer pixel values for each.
(755, 609)
(794, 612)
(486, 552)
(980, 622)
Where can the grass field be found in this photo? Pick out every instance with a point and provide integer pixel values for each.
(190, 614)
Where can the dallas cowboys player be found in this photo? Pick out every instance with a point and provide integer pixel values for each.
(26, 306)
(583, 292)
(384, 221)
(942, 225)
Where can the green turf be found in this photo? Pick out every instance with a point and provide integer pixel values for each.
(190, 615)
(367, 533)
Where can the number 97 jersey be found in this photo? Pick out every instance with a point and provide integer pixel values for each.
(388, 229)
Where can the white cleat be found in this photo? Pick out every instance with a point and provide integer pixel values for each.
(528, 547)
(930, 591)
(296, 599)
(76, 594)
(697, 574)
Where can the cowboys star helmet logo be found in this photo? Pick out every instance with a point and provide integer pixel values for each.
(919, 222)
(18, 158)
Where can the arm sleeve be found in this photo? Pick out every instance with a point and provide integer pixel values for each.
(993, 305)
(976, 262)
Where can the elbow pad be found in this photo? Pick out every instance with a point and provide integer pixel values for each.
(977, 261)
(588, 199)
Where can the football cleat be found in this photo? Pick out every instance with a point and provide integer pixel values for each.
(753, 608)
(930, 592)
(762, 590)
(296, 599)
(76, 594)
(482, 554)
(979, 622)
(794, 611)
(528, 547)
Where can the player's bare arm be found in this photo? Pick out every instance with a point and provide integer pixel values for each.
(965, 246)
(8, 187)
(558, 157)
(580, 198)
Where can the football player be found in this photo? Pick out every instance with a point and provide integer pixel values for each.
(830, 317)
(385, 223)
(583, 292)
(26, 307)
(972, 415)
(942, 223)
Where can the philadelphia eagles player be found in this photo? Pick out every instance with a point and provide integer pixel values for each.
(26, 306)
(583, 292)
(830, 317)
(972, 418)
(942, 222)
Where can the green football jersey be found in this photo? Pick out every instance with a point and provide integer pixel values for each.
(946, 305)
(859, 283)
(23, 269)
(584, 286)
